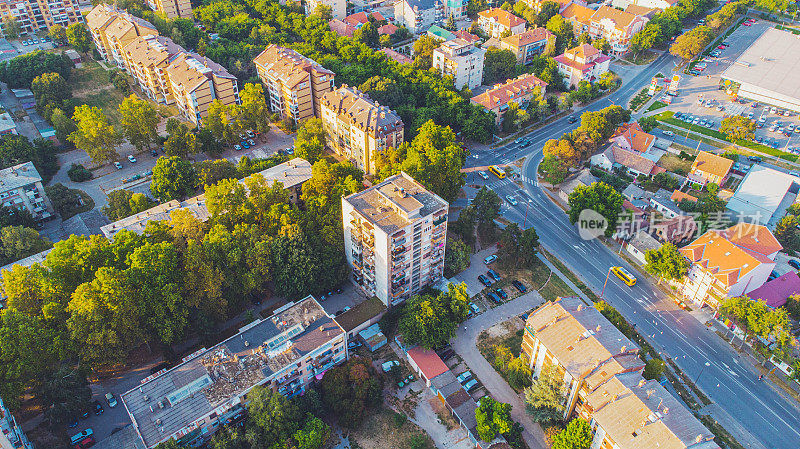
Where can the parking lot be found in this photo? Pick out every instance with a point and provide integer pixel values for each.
(706, 105)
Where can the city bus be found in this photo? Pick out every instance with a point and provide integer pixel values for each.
(624, 275)
(497, 172)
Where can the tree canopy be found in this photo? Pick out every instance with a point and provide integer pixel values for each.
(493, 418)
(431, 320)
(666, 262)
(545, 398)
(599, 197)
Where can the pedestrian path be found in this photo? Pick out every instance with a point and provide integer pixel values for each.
(564, 278)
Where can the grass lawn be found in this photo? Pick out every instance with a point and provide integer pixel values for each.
(675, 164)
(549, 286)
(90, 85)
(380, 431)
(644, 57)
(656, 105)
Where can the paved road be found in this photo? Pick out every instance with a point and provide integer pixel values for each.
(770, 419)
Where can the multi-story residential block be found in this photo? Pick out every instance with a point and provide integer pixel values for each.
(21, 188)
(462, 60)
(579, 16)
(498, 22)
(601, 370)
(338, 7)
(294, 84)
(529, 44)
(617, 27)
(146, 59)
(394, 237)
(112, 29)
(709, 167)
(418, 15)
(520, 90)
(196, 81)
(35, 15)
(653, 4)
(192, 400)
(172, 9)
(582, 63)
(536, 5)
(11, 434)
(728, 263)
(292, 175)
(357, 127)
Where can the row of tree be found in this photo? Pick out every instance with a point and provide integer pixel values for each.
(667, 24)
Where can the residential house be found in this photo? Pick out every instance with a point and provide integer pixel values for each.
(639, 245)
(193, 399)
(35, 15)
(388, 29)
(112, 29)
(294, 84)
(728, 263)
(662, 203)
(520, 90)
(617, 27)
(677, 230)
(358, 127)
(394, 238)
(763, 196)
(417, 15)
(440, 33)
(529, 44)
(21, 188)
(536, 5)
(678, 196)
(632, 137)
(582, 63)
(579, 16)
(172, 9)
(499, 23)
(338, 7)
(584, 178)
(708, 167)
(643, 11)
(462, 60)
(633, 162)
(348, 25)
(467, 36)
(776, 292)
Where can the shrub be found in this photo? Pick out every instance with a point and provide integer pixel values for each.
(79, 173)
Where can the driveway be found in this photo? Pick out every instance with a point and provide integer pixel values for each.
(465, 344)
(476, 268)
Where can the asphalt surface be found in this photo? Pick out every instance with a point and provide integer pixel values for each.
(733, 384)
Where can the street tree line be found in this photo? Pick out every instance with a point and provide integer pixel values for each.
(667, 24)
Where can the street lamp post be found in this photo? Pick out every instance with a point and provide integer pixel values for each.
(705, 365)
(525, 220)
(605, 283)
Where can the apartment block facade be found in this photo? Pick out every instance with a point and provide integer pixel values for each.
(617, 27)
(358, 127)
(519, 90)
(418, 15)
(21, 188)
(496, 22)
(11, 434)
(582, 63)
(394, 237)
(191, 401)
(172, 9)
(602, 374)
(38, 15)
(295, 84)
(529, 44)
(462, 60)
(196, 81)
(112, 29)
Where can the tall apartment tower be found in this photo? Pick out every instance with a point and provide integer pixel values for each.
(34, 15)
(394, 237)
(172, 9)
(462, 60)
(294, 84)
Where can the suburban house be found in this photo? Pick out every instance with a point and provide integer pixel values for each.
(584, 178)
(678, 229)
(498, 22)
(579, 16)
(775, 292)
(643, 11)
(708, 167)
(529, 44)
(728, 263)
(662, 203)
(617, 27)
(632, 161)
(763, 196)
(467, 36)
(440, 33)
(602, 373)
(462, 60)
(582, 63)
(632, 137)
(640, 244)
(678, 196)
(519, 90)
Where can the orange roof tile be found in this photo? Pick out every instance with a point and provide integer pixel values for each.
(678, 196)
(754, 237)
(621, 19)
(633, 133)
(577, 13)
(528, 37)
(503, 93)
(502, 16)
(713, 164)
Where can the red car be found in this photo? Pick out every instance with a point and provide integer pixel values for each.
(747, 24)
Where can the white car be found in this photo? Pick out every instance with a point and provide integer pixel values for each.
(668, 133)
(483, 175)
(511, 200)
(773, 110)
(387, 366)
(787, 113)
(490, 259)
(118, 165)
(131, 159)
(112, 401)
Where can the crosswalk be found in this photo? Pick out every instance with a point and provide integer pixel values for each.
(497, 183)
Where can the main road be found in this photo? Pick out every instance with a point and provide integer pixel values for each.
(729, 382)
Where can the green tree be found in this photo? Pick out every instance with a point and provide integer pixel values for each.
(430, 321)
(173, 178)
(62, 124)
(221, 121)
(666, 262)
(499, 65)
(434, 159)
(349, 391)
(545, 397)
(493, 417)
(456, 257)
(79, 37)
(518, 247)
(94, 134)
(66, 393)
(423, 52)
(577, 435)
(324, 12)
(310, 141)
(602, 45)
(737, 127)
(18, 242)
(181, 141)
(367, 34)
(208, 143)
(518, 373)
(487, 205)
(64, 199)
(21, 70)
(210, 172)
(653, 369)
(124, 203)
(314, 434)
(51, 91)
(254, 111)
(276, 417)
(755, 317)
(547, 10)
(139, 121)
(58, 34)
(787, 234)
(563, 31)
(11, 27)
(691, 43)
(599, 197)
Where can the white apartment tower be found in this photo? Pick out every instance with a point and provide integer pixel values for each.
(462, 60)
(394, 237)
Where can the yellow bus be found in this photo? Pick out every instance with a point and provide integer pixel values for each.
(497, 172)
(624, 275)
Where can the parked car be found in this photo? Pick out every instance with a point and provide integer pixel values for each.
(112, 401)
(463, 377)
(470, 385)
(794, 263)
(572, 119)
(474, 308)
(245, 145)
(484, 280)
(772, 276)
(237, 147)
(154, 153)
(251, 142)
(493, 297)
(519, 286)
(98, 407)
(490, 259)
(668, 133)
(354, 344)
(493, 274)
(250, 133)
(447, 354)
(754, 158)
(131, 159)
(74, 439)
(84, 443)
(677, 115)
(500, 292)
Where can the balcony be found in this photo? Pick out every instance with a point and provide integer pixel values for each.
(440, 220)
(398, 251)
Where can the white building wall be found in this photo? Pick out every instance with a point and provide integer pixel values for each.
(382, 281)
(762, 95)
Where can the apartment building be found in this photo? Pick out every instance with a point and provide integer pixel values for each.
(196, 81)
(582, 63)
(357, 127)
(394, 238)
(462, 60)
(418, 15)
(11, 434)
(519, 90)
(33, 16)
(496, 22)
(579, 16)
(601, 370)
(192, 400)
(21, 188)
(112, 29)
(536, 5)
(617, 27)
(728, 263)
(292, 175)
(529, 44)
(146, 59)
(294, 84)
(338, 7)
(172, 9)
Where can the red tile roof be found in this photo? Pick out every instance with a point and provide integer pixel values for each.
(467, 36)
(503, 93)
(502, 16)
(636, 137)
(679, 196)
(397, 56)
(388, 29)
(634, 161)
(361, 18)
(528, 37)
(428, 362)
